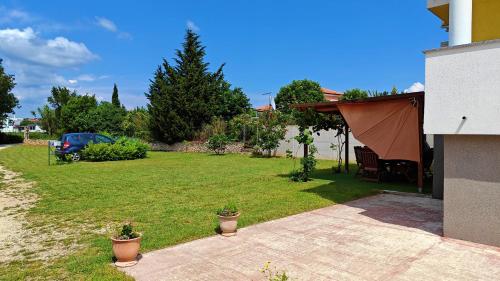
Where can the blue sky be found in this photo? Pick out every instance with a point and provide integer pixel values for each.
(89, 45)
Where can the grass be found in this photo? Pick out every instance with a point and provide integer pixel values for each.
(171, 198)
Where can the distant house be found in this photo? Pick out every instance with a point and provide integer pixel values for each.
(13, 125)
(329, 95)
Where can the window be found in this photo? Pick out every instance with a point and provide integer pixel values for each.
(100, 139)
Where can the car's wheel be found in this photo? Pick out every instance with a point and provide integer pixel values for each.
(75, 157)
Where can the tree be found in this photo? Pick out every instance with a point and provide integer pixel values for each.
(355, 94)
(299, 91)
(76, 114)
(59, 97)
(48, 120)
(136, 124)
(107, 117)
(271, 130)
(114, 98)
(184, 97)
(7, 99)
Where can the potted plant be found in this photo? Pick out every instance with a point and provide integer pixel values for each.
(228, 219)
(126, 245)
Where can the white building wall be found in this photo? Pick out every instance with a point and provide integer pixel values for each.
(463, 81)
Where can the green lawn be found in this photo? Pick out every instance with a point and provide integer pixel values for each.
(171, 197)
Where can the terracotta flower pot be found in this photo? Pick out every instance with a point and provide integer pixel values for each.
(126, 251)
(228, 225)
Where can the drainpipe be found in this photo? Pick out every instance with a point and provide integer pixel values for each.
(460, 22)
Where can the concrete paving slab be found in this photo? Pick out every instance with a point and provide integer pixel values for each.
(383, 237)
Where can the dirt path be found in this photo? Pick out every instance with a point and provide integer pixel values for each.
(20, 239)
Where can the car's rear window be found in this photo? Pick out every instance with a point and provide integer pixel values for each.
(79, 139)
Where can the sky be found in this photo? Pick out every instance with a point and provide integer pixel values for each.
(90, 45)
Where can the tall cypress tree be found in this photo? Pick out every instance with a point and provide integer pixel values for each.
(182, 97)
(114, 98)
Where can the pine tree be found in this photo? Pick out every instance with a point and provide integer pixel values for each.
(114, 98)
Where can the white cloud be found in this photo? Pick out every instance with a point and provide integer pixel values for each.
(109, 25)
(26, 45)
(106, 24)
(416, 87)
(72, 81)
(192, 26)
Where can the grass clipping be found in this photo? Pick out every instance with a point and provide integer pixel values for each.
(20, 239)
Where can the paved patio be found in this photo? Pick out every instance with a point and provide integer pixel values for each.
(376, 238)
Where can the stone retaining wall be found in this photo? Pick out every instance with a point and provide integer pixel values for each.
(35, 142)
(195, 146)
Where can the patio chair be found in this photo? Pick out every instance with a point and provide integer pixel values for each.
(371, 166)
(359, 161)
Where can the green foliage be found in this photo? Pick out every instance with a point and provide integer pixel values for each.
(242, 127)
(76, 114)
(115, 100)
(108, 118)
(355, 94)
(184, 97)
(299, 91)
(48, 120)
(11, 138)
(59, 97)
(7, 99)
(228, 210)
(127, 232)
(216, 127)
(136, 124)
(37, 136)
(218, 143)
(271, 128)
(122, 149)
(308, 163)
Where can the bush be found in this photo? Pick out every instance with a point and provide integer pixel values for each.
(10, 138)
(122, 149)
(218, 143)
(127, 232)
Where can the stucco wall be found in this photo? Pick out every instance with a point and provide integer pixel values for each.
(463, 81)
(322, 143)
(472, 188)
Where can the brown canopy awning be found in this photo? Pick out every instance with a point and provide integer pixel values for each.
(390, 127)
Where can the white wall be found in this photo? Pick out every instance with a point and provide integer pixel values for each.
(463, 81)
(322, 143)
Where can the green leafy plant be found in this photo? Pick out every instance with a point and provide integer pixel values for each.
(228, 210)
(273, 274)
(218, 143)
(127, 232)
(271, 130)
(122, 149)
(308, 162)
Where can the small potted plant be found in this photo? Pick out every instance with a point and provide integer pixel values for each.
(228, 219)
(126, 245)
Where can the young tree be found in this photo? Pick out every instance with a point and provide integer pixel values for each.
(7, 99)
(115, 100)
(48, 120)
(299, 91)
(136, 124)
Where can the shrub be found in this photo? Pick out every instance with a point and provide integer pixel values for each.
(10, 138)
(127, 232)
(228, 211)
(218, 143)
(122, 149)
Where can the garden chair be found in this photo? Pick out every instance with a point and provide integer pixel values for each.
(359, 161)
(371, 165)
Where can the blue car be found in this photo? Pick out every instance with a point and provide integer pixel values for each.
(73, 143)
